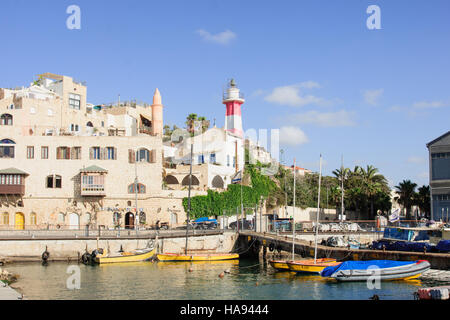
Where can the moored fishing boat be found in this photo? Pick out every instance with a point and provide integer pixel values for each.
(134, 256)
(197, 256)
(280, 265)
(311, 265)
(384, 269)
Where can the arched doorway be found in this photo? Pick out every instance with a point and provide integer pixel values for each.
(129, 220)
(19, 221)
(74, 221)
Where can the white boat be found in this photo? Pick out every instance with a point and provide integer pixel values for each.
(385, 269)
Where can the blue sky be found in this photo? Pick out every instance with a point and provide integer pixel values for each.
(311, 68)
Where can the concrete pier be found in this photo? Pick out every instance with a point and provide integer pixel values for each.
(8, 293)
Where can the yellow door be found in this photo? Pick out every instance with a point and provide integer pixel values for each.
(19, 221)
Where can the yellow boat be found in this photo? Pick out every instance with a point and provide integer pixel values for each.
(308, 266)
(280, 265)
(197, 256)
(135, 256)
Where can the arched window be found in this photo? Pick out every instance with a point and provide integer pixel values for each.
(87, 218)
(171, 180)
(54, 181)
(217, 182)
(61, 217)
(195, 181)
(6, 119)
(141, 188)
(6, 151)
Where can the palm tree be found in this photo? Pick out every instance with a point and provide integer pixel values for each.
(406, 195)
(423, 199)
(373, 182)
(190, 122)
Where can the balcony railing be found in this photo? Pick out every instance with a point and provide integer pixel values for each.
(13, 189)
(96, 190)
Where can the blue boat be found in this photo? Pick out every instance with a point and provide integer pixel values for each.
(385, 269)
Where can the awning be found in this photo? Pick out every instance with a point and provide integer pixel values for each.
(93, 169)
(13, 171)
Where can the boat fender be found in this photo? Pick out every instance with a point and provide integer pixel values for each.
(86, 258)
(45, 255)
(271, 247)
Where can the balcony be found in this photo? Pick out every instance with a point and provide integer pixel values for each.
(12, 189)
(93, 182)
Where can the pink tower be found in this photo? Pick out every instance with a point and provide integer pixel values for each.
(233, 100)
(157, 114)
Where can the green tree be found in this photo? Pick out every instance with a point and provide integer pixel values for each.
(406, 195)
(423, 200)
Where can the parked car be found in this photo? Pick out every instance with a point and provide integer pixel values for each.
(243, 224)
(205, 225)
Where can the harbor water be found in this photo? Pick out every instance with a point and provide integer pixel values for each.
(242, 280)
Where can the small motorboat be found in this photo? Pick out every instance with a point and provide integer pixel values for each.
(386, 269)
(134, 256)
(197, 256)
(283, 265)
(311, 266)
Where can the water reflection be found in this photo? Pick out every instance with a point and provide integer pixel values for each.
(242, 280)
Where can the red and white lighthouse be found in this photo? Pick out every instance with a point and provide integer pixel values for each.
(233, 99)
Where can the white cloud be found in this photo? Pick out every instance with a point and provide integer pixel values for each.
(340, 118)
(423, 175)
(371, 96)
(292, 95)
(223, 38)
(292, 136)
(429, 104)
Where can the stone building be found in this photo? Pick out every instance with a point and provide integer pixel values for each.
(65, 163)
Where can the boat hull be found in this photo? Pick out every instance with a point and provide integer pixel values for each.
(405, 272)
(308, 266)
(197, 257)
(279, 265)
(126, 258)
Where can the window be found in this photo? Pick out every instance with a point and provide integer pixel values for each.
(30, 152)
(54, 181)
(11, 179)
(6, 151)
(212, 158)
(33, 110)
(33, 219)
(44, 152)
(5, 218)
(6, 120)
(76, 153)
(132, 188)
(228, 160)
(61, 217)
(440, 166)
(110, 153)
(103, 124)
(201, 159)
(143, 155)
(234, 161)
(50, 112)
(74, 101)
(95, 153)
(63, 153)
